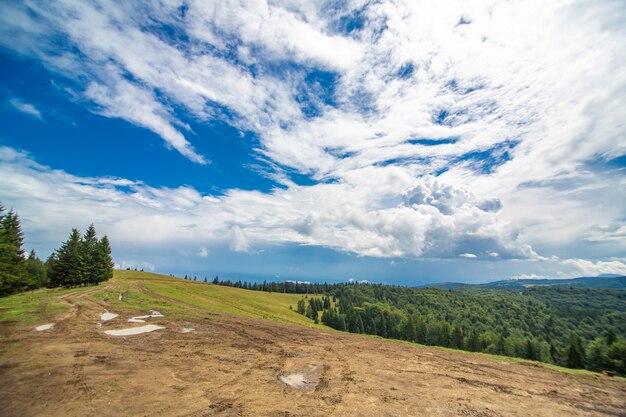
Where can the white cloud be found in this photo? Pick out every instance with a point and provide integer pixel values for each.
(129, 102)
(239, 240)
(506, 112)
(26, 108)
(591, 268)
(372, 220)
(203, 252)
(124, 264)
(468, 255)
(528, 276)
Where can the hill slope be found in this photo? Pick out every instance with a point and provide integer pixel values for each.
(205, 361)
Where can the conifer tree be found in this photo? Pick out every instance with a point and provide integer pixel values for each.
(530, 350)
(36, 270)
(89, 249)
(457, 337)
(67, 262)
(597, 355)
(13, 274)
(575, 353)
(410, 331)
(103, 260)
(611, 337)
(301, 306)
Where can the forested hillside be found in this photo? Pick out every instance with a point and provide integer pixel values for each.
(574, 327)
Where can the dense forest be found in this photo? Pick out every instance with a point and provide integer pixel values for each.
(81, 260)
(573, 327)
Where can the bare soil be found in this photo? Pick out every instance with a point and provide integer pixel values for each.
(231, 366)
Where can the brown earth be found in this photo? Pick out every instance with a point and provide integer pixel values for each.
(231, 366)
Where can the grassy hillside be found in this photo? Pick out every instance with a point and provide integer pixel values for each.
(142, 291)
(174, 297)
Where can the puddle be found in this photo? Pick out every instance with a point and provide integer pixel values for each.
(44, 327)
(134, 330)
(187, 330)
(303, 380)
(106, 316)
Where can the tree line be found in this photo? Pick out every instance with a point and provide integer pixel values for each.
(81, 260)
(572, 327)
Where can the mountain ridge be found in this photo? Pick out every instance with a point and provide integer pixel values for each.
(618, 282)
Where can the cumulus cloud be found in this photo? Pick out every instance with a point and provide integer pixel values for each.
(124, 264)
(239, 241)
(529, 276)
(347, 222)
(591, 268)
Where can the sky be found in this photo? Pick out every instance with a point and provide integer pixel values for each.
(388, 141)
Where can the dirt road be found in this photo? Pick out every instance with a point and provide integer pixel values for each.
(234, 366)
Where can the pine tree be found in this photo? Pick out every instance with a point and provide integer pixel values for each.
(530, 350)
(89, 249)
(410, 331)
(575, 353)
(457, 337)
(474, 341)
(611, 337)
(66, 265)
(36, 270)
(103, 260)
(301, 308)
(597, 355)
(13, 274)
(554, 353)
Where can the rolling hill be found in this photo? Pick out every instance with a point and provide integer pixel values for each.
(519, 284)
(215, 350)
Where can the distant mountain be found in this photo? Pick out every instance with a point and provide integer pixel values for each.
(446, 285)
(618, 282)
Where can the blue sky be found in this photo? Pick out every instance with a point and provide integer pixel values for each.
(388, 141)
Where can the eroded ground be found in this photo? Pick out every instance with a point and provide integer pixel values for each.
(224, 365)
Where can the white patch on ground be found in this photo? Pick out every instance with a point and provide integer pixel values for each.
(120, 297)
(142, 319)
(106, 316)
(134, 330)
(295, 380)
(304, 380)
(44, 327)
(187, 330)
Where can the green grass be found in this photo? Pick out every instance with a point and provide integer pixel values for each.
(189, 298)
(31, 307)
(144, 291)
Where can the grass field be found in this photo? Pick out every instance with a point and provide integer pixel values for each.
(33, 306)
(142, 291)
